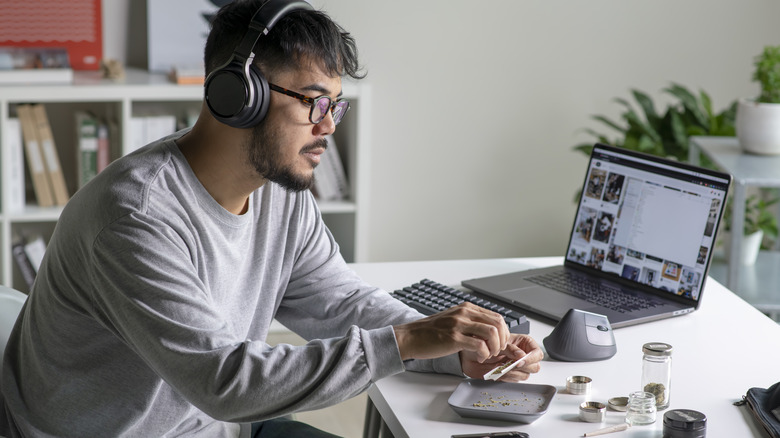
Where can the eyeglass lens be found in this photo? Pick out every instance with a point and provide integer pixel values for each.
(321, 106)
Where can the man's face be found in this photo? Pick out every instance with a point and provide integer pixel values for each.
(286, 147)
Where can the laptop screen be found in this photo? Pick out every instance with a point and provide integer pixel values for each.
(648, 220)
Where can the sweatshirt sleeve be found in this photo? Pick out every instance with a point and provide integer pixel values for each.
(325, 297)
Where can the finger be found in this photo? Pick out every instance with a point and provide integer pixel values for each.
(529, 366)
(477, 322)
(515, 376)
(476, 346)
(535, 356)
(498, 338)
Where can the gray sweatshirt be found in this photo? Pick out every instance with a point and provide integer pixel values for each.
(150, 311)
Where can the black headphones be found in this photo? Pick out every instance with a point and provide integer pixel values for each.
(236, 92)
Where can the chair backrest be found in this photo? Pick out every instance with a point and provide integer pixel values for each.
(11, 302)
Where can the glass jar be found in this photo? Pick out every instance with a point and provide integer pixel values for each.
(641, 408)
(657, 372)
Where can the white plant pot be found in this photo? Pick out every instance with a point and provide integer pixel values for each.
(758, 127)
(751, 244)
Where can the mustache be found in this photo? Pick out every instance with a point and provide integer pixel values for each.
(316, 144)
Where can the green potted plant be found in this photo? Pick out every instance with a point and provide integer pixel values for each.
(760, 228)
(665, 134)
(758, 120)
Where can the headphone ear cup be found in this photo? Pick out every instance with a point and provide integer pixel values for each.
(236, 99)
(258, 108)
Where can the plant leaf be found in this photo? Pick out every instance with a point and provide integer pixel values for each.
(610, 123)
(585, 148)
(635, 122)
(646, 103)
(706, 104)
(690, 104)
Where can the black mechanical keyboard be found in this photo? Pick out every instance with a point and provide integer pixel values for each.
(430, 297)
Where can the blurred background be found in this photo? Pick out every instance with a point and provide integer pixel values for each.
(476, 106)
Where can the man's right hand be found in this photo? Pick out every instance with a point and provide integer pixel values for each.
(465, 327)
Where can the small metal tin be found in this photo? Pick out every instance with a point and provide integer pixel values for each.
(593, 412)
(619, 404)
(685, 423)
(578, 384)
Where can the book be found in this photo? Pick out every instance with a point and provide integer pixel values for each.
(13, 167)
(87, 146)
(22, 261)
(330, 179)
(188, 75)
(35, 249)
(34, 65)
(34, 157)
(103, 146)
(324, 187)
(333, 160)
(146, 129)
(51, 158)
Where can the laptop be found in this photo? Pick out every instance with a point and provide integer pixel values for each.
(640, 247)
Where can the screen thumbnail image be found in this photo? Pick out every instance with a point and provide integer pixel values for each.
(649, 276)
(689, 283)
(615, 254)
(577, 255)
(595, 185)
(714, 209)
(614, 188)
(671, 271)
(604, 227)
(630, 272)
(702, 257)
(596, 258)
(584, 227)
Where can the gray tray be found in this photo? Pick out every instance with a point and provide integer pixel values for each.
(516, 402)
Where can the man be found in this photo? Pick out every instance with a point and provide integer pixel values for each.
(150, 311)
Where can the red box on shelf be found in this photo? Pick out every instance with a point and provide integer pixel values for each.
(75, 25)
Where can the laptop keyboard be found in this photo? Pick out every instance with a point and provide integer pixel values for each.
(429, 297)
(593, 291)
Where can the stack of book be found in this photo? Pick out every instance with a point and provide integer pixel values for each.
(42, 157)
(93, 137)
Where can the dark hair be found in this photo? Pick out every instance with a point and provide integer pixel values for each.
(299, 35)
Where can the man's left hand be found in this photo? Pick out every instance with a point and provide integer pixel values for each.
(517, 347)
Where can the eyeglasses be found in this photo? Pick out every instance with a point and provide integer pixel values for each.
(319, 105)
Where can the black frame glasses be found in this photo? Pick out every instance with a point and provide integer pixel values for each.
(319, 105)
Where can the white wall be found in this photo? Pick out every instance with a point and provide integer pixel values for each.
(476, 105)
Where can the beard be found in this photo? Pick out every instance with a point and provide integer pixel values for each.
(264, 150)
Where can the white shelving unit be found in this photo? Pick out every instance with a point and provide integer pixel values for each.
(759, 283)
(141, 93)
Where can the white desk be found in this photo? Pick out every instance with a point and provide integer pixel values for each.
(720, 351)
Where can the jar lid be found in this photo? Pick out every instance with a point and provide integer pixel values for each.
(618, 403)
(657, 349)
(685, 419)
(578, 384)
